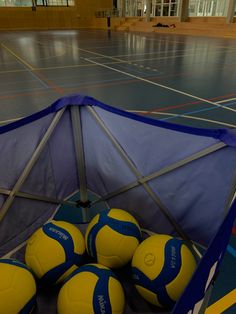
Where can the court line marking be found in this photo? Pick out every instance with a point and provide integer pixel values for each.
(39, 76)
(202, 110)
(71, 88)
(124, 61)
(160, 58)
(18, 57)
(99, 55)
(13, 71)
(194, 102)
(143, 79)
(17, 81)
(222, 304)
(30, 92)
(53, 68)
(21, 92)
(231, 250)
(29, 68)
(82, 65)
(161, 85)
(50, 84)
(150, 53)
(176, 56)
(225, 100)
(184, 116)
(155, 113)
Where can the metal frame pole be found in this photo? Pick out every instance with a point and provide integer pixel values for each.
(148, 189)
(30, 164)
(79, 151)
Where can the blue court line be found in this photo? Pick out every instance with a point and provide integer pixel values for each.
(138, 70)
(231, 250)
(122, 80)
(45, 85)
(22, 90)
(34, 75)
(197, 111)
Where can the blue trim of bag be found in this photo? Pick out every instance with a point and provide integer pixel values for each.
(226, 135)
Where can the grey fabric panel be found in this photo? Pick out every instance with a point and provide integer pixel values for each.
(21, 221)
(17, 147)
(151, 148)
(144, 209)
(53, 175)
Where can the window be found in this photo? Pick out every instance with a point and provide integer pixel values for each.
(165, 7)
(61, 3)
(15, 3)
(29, 3)
(208, 7)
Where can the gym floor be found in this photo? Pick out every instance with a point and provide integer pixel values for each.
(184, 79)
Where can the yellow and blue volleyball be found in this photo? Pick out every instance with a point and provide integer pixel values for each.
(112, 237)
(92, 288)
(54, 251)
(161, 269)
(17, 288)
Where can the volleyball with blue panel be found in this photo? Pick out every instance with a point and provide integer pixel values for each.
(54, 251)
(17, 288)
(161, 269)
(112, 237)
(92, 288)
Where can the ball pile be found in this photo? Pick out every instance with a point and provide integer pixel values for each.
(161, 266)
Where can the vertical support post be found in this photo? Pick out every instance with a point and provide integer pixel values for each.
(230, 11)
(148, 10)
(79, 153)
(183, 10)
(108, 21)
(123, 8)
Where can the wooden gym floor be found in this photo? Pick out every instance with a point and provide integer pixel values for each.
(182, 79)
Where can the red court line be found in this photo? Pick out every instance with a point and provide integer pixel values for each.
(50, 83)
(25, 94)
(120, 82)
(234, 231)
(64, 90)
(126, 81)
(189, 103)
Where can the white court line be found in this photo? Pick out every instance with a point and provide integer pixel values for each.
(225, 100)
(149, 53)
(127, 61)
(144, 59)
(161, 113)
(183, 116)
(162, 86)
(156, 58)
